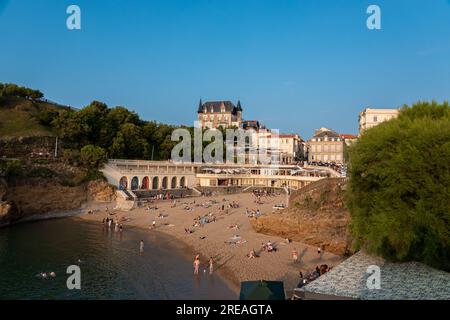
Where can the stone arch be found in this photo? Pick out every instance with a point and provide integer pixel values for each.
(173, 183)
(155, 183)
(123, 183)
(164, 184)
(135, 183)
(145, 183)
(182, 182)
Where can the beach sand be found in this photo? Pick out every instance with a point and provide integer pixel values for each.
(231, 260)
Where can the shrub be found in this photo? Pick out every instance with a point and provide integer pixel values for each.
(92, 156)
(399, 188)
(41, 172)
(93, 175)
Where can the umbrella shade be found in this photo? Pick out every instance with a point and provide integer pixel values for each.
(262, 290)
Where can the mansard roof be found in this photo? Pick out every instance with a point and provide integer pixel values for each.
(216, 107)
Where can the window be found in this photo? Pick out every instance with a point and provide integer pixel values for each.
(375, 119)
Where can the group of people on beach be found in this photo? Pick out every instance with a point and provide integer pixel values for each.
(108, 222)
(252, 213)
(313, 275)
(196, 265)
(201, 220)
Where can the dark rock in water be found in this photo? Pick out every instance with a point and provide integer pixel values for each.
(8, 212)
(8, 209)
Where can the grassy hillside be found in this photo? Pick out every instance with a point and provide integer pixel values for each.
(19, 117)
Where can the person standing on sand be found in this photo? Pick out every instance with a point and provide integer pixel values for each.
(319, 251)
(141, 247)
(295, 255)
(211, 265)
(196, 264)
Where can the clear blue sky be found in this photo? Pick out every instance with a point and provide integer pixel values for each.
(295, 65)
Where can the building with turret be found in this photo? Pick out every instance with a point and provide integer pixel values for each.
(215, 114)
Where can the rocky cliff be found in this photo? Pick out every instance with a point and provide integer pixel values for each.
(39, 197)
(316, 215)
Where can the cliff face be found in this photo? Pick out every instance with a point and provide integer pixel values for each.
(100, 191)
(34, 198)
(316, 216)
(8, 209)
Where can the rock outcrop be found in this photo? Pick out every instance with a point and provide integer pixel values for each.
(8, 209)
(35, 198)
(100, 191)
(316, 215)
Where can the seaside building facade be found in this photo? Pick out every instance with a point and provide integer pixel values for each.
(168, 175)
(348, 138)
(369, 118)
(280, 148)
(215, 114)
(291, 148)
(326, 146)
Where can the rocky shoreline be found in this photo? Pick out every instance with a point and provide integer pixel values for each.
(21, 203)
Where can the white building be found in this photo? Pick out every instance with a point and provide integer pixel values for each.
(369, 118)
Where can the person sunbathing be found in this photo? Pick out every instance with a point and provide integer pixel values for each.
(252, 254)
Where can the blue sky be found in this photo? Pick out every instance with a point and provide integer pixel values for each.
(295, 65)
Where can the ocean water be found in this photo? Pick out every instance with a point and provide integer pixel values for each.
(111, 264)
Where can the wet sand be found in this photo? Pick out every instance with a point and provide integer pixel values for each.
(231, 260)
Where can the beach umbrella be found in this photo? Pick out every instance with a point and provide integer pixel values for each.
(262, 290)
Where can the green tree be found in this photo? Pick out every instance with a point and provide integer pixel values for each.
(130, 143)
(399, 187)
(13, 90)
(93, 156)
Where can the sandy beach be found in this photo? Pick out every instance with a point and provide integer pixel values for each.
(215, 239)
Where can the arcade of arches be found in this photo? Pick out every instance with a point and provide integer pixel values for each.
(155, 183)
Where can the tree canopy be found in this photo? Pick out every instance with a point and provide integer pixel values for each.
(399, 187)
(92, 156)
(13, 90)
